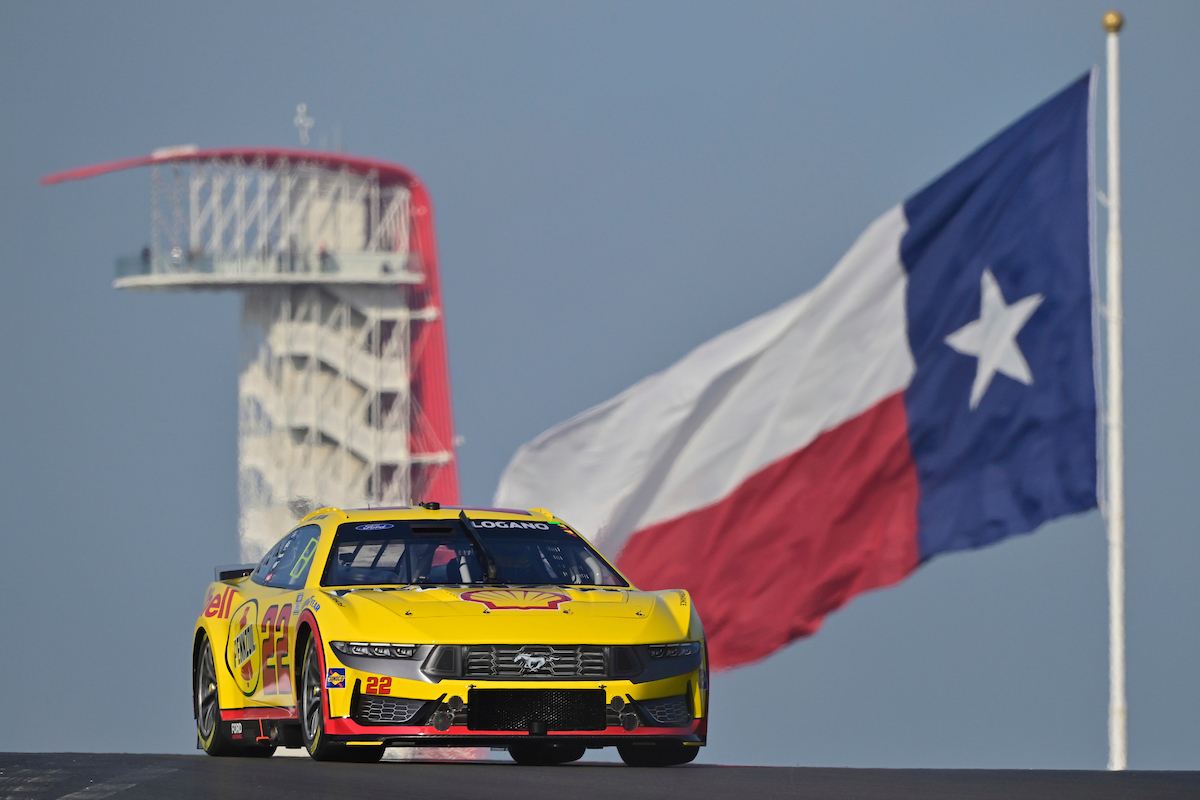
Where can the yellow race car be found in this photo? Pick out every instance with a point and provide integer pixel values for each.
(429, 626)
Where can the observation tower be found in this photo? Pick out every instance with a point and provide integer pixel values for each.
(344, 391)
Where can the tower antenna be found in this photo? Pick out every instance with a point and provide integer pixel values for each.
(303, 122)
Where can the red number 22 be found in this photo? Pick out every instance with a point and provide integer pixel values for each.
(276, 675)
(376, 685)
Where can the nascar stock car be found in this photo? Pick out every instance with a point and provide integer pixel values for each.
(429, 626)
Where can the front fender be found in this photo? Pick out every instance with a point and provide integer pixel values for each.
(678, 603)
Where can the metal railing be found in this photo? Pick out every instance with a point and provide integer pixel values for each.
(371, 265)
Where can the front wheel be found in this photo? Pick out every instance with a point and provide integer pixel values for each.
(538, 754)
(212, 738)
(659, 754)
(310, 700)
(312, 715)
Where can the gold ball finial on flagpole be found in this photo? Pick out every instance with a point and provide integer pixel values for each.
(1113, 20)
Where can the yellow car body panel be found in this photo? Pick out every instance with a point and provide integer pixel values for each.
(258, 634)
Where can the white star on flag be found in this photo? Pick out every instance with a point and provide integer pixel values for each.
(993, 337)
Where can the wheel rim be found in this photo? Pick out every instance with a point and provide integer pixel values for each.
(311, 693)
(206, 693)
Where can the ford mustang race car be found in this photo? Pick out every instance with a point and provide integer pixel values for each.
(429, 626)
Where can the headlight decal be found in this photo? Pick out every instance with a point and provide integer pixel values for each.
(674, 650)
(375, 649)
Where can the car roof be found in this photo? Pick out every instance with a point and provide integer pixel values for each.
(425, 512)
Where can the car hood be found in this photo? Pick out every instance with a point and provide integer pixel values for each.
(549, 614)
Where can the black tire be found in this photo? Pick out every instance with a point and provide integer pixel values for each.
(539, 754)
(659, 754)
(207, 700)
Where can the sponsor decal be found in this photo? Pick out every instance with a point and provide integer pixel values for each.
(335, 678)
(217, 604)
(276, 669)
(212, 602)
(235, 729)
(532, 662)
(300, 568)
(516, 599)
(244, 645)
(378, 685)
(258, 654)
(242, 655)
(509, 524)
(374, 526)
(300, 604)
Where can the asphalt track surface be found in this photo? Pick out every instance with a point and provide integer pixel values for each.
(72, 776)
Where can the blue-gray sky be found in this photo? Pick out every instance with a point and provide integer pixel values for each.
(614, 184)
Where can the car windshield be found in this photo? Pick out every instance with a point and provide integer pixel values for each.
(444, 552)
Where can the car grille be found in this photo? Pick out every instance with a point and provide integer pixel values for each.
(667, 711)
(527, 709)
(374, 710)
(532, 661)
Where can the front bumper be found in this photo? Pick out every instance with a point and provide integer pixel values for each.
(346, 731)
(440, 714)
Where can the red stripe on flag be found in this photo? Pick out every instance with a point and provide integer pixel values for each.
(795, 541)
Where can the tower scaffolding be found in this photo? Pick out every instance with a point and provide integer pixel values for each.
(343, 390)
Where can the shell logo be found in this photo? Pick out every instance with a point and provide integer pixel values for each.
(516, 599)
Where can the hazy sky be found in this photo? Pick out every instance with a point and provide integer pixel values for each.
(614, 184)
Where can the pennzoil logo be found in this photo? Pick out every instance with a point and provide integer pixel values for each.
(242, 655)
(516, 599)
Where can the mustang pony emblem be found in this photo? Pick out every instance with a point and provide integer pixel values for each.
(519, 599)
(532, 663)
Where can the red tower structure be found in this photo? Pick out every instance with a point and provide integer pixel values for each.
(344, 391)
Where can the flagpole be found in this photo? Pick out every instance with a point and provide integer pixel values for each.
(1118, 736)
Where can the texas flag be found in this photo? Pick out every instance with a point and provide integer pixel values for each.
(935, 392)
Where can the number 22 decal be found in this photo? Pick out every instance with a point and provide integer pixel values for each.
(377, 685)
(276, 668)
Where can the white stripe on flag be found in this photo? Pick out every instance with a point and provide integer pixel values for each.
(686, 437)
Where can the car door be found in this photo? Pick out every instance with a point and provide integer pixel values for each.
(277, 585)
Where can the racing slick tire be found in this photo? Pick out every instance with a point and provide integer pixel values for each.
(659, 754)
(538, 754)
(213, 740)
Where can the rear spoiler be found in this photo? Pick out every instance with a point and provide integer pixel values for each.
(229, 572)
